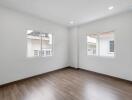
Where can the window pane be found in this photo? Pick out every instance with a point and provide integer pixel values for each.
(33, 44)
(106, 44)
(39, 44)
(47, 44)
(111, 46)
(92, 44)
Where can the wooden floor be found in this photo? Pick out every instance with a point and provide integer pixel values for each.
(68, 84)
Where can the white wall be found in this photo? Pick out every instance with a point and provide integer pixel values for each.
(13, 62)
(73, 47)
(121, 65)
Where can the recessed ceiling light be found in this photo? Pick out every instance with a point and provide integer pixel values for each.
(111, 8)
(71, 22)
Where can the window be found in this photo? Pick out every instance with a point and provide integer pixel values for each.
(92, 44)
(39, 44)
(101, 44)
(111, 45)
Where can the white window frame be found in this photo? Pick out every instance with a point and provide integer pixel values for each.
(41, 49)
(98, 48)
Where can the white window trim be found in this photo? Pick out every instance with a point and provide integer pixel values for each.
(41, 48)
(98, 55)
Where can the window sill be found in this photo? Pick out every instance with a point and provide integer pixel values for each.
(109, 57)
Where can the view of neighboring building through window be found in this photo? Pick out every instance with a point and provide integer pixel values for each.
(111, 46)
(101, 44)
(92, 44)
(39, 44)
(106, 44)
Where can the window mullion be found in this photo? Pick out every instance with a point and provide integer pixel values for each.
(98, 45)
(41, 46)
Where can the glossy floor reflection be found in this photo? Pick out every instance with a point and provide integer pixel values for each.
(68, 84)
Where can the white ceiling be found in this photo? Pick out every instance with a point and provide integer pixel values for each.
(64, 11)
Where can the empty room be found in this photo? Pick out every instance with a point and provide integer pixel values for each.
(65, 50)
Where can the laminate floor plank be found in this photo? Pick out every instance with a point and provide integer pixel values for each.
(68, 84)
